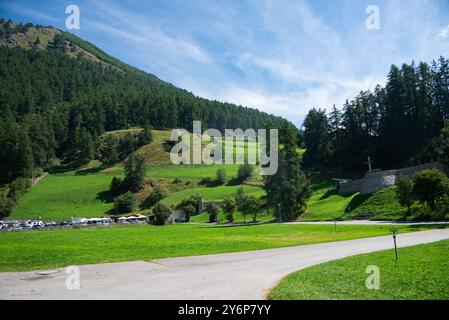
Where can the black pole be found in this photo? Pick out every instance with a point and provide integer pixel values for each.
(395, 248)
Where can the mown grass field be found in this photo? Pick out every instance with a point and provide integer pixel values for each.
(190, 172)
(422, 273)
(212, 193)
(20, 251)
(58, 197)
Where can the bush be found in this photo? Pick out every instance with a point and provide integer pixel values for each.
(7, 205)
(245, 171)
(249, 205)
(125, 204)
(18, 188)
(161, 213)
(177, 181)
(228, 206)
(404, 194)
(155, 196)
(221, 175)
(145, 136)
(189, 210)
(212, 209)
(189, 206)
(431, 187)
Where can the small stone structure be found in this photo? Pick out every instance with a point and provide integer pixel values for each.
(378, 180)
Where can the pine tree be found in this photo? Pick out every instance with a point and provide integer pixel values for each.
(134, 173)
(289, 189)
(316, 138)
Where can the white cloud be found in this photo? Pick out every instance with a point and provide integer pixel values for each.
(444, 33)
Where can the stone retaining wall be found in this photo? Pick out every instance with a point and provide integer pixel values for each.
(378, 180)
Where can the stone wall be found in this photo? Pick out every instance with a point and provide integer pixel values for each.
(378, 180)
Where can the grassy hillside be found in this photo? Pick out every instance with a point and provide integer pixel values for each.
(327, 205)
(420, 274)
(58, 248)
(84, 191)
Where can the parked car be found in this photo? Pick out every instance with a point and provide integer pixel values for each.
(51, 224)
(13, 225)
(37, 224)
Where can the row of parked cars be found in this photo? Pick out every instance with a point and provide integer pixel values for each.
(15, 225)
(24, 225)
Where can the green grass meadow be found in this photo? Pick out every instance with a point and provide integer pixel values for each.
(83, 192)
(422, 273)
(212, 193)
(58, 197)
(326, 205)
(44, 249)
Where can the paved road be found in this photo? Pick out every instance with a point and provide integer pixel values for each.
(245, 275)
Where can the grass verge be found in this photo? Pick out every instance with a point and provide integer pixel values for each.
(422, 273)
(21, 251)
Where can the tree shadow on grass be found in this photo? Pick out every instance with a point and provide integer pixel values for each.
(105, 196)
(235, 182)
(357, 201)
(329, 193)
(211, 183)
(84, 172)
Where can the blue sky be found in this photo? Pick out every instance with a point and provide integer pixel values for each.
(280, 56)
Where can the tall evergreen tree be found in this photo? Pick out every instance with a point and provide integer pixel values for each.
(316, 138)
(289, 189)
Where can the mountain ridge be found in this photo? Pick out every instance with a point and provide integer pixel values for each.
(29, 36)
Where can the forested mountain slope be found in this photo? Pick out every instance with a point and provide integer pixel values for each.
(396, 125)
(58, 92)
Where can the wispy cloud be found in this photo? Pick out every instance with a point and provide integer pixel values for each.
(134, 27)
(444, 33)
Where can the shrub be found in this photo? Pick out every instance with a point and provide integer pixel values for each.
(404, 194)
(212, 209)
(189, 206)
(228, 206)
(240, 194)
(221, 175)
(189, 210)
(7, 205)
(245, 171)
(145, 136)
(155, 196)
(161, 213)
(177, 181)
(18, 188)
(431, 187)
(125, 203)
(249, 205)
